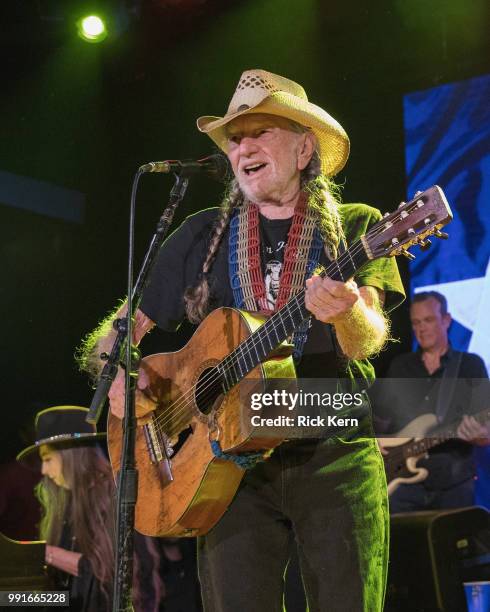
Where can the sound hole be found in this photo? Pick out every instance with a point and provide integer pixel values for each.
(208, 388)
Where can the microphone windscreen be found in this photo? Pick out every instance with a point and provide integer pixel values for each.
(218, 167)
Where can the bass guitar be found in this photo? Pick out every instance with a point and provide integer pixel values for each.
(409, 445)
(183, 487)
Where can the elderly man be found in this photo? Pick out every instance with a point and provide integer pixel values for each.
(280, 216)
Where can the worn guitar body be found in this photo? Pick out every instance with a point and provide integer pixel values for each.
(400, 464)
(186, 495)
(202, 392)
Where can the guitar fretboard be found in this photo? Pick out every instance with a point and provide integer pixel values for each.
(424, 444)
(247, 355)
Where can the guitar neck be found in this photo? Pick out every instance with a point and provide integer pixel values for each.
(425, 444)
(285, 321)
(408, 225)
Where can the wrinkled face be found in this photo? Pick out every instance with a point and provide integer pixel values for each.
(52, 465)
(429, 325)
(267, 156)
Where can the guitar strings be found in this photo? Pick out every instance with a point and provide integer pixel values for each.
(214, 376)
(243, 353)
(179, 406)
(210, 379)
(348, 253)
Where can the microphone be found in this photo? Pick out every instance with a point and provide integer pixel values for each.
(216, 166)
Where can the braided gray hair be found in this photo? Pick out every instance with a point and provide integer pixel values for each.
(196, 298)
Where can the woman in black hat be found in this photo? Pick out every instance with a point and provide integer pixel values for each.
(77, 495)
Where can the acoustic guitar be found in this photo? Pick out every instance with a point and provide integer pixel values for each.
(183, 487)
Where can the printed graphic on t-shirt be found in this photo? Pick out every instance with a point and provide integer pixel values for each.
(281, 244)
(272, 278)
(274, 236)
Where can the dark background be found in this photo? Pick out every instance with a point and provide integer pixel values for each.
(85, 116)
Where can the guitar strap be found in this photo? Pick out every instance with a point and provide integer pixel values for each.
(301, 260)
(448, 385)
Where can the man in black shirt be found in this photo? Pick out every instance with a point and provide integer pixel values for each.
(423, 383)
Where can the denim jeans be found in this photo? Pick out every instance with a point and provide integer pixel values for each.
(410, 497)
(328, 499)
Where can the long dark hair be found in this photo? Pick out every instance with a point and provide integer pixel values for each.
(88, 506)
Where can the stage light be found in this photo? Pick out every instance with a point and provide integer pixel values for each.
(92, 29)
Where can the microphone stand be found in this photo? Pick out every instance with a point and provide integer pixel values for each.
(127, 478)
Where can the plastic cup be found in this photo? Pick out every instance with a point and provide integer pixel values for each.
(477, 596)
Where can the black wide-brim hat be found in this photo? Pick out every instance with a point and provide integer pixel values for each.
(60, 426)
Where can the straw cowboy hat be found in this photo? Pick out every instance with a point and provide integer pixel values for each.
(62, 426)
(259, 91)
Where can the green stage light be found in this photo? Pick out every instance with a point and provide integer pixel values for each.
(92, 29)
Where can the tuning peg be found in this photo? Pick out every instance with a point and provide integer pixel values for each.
(401, 204)
(387, 214)
(407, 254)
(442, 235)
(424, 244)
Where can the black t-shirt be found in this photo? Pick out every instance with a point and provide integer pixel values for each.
(179, 264)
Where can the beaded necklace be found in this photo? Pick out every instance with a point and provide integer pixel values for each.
(301, 258)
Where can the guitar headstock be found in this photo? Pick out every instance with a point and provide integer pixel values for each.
(410, 224)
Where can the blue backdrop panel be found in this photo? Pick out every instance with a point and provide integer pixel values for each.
(447, 132)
